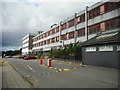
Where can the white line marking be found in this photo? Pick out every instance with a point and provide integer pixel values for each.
(31, 68)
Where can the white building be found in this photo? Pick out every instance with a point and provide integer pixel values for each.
(100, 17)
(27, 43)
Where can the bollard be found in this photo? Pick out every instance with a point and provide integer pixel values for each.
(41, 61)
(49, 63)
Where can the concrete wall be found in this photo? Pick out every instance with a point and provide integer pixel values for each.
(27, 44)
(103, 58)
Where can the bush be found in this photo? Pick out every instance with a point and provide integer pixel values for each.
(71, 51)
(50, 55)
(42, 57)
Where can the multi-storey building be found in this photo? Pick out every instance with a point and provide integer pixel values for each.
(27, 42)
(100, 17)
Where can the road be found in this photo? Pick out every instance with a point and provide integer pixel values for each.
(40, 76)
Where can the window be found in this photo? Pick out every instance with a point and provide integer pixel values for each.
(118, 47)
(48, 41)
(106, 48)
(94, 28)
(57, 39)
(109, 6)
(63, 26)
(71, 23)
(81, 32)
(94, 12)
(90, 49)
(38, 44)
(71, 35)
(63, 37)
(57, 29)
(111, 24)
(53, 31)
(53, 40)
(81, 18)
(48, 33)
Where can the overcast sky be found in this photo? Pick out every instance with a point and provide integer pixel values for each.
(18, 18)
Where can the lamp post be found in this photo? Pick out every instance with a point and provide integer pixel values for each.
(75, 28)
(53, 25)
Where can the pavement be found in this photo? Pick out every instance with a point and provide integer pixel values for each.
(1, 64)
(12, 79)
(0, 77)
(65, 74)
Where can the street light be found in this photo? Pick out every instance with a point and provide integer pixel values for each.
(53, 25)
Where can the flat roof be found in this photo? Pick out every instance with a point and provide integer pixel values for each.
(30, 34)
(110, 37)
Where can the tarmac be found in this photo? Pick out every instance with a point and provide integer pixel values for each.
(12, 78)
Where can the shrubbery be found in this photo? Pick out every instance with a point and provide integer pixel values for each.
(71, 51)
(40, 56)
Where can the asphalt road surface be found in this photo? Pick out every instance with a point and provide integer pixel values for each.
(65, 75)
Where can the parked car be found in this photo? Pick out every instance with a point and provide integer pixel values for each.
(18, 56)
(21, 57)
(30, 57)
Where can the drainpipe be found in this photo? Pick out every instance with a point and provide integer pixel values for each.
(86, 23)
(60, 32)
(75, 24)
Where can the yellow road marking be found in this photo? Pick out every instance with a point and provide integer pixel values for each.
(50, 67)
(66, 69)
(75, 68)
(55, 68)
(60, 69)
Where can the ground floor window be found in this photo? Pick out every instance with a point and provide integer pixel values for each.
(118, 47)
(90, 49)
(106, 48)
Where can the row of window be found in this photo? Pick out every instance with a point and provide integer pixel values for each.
(108, 6)
(107, 25)
(24, 47)
(110, 24)
(52, 40)
(26, 42)
(102, 48)
(91, 29)
(94, 28)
